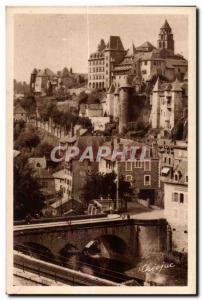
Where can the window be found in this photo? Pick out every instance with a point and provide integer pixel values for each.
(176, 177)
(128, 166)
(147, 165)
(181, 198)
(147, 180)
(106, 72)
(138, 164)
(175, 197)
(129, 178)
(144, 71)
(169, 160)
(145, 63)
(44, 184)
(186, 178)
(164, 159)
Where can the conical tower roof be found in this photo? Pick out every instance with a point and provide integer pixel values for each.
(156, 87)
(165, 25)
(131, 51)
(176, 86)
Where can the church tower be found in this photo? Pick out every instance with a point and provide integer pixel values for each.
(165, 41)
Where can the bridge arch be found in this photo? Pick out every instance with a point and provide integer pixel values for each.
(108, 246)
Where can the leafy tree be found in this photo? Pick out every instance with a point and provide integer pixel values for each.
(19, 125)
(43, 149)
(83, 97)
(93, 98)
(29, 104)
(100, 185)
(21, 87)
(28, 138)
(85, 122)
(28, 199)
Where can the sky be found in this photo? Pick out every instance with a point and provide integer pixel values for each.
(56, 41)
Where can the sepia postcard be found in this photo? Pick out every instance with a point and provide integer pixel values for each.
(101, 150)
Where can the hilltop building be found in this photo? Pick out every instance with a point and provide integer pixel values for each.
(112, 60)
(168, 101)
(46, 82)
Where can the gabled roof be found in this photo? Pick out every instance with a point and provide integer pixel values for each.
(59, 174)
(176, 86)
(46, 72)
(146, 46)
(131, 51)
(18, 109)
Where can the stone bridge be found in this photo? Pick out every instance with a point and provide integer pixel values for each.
(120, 239)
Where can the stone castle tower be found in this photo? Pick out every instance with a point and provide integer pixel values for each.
(166, 41)
(155, 112)
(167, 105)
(124, 93)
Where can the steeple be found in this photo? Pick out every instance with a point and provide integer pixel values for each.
(131, 51)
(176, 86)
(165, 40)
(156, 87)
(166, 25)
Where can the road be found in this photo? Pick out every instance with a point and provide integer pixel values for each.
(109, 218)
(135, 210)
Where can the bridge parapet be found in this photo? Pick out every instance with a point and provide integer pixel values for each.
(140, 236)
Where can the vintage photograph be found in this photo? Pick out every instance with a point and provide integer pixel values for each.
(101, 105)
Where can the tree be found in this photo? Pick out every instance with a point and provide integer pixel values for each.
(85, 122)
(83, 97)
(29, 104)
(28, 138)
(28, 199)
(178, 130)
(100, 185)
(47, 109)
(43, 149)
(93, 98)
(19, 125)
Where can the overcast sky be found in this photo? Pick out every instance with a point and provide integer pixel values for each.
(56, 41)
